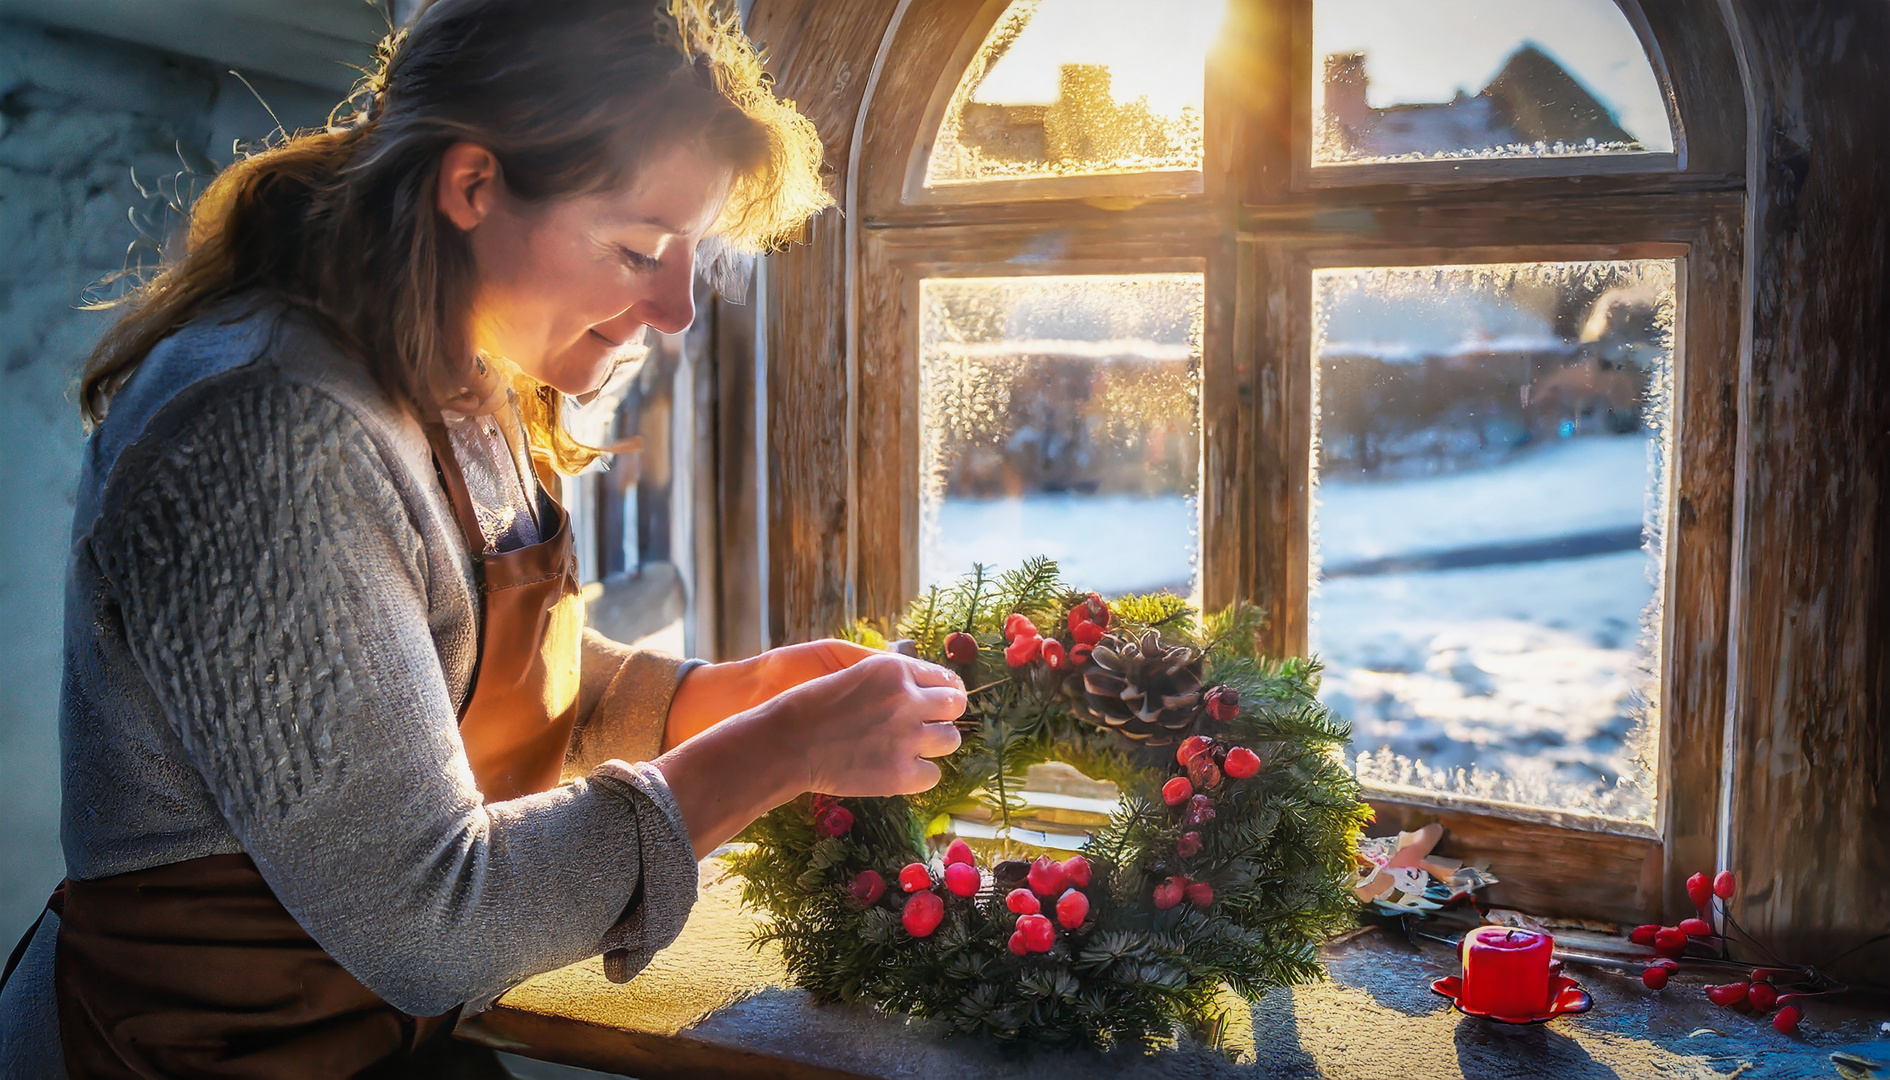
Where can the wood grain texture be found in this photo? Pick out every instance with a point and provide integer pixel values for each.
(1810, 799)
(819, 52)
(807, 451)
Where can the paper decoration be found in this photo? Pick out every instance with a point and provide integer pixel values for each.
(1399, 875)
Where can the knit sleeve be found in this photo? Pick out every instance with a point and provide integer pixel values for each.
(623, 703)
(274, 590)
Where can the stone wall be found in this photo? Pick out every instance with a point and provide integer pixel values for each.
(77, 115)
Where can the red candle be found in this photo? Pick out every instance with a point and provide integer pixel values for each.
(1506, 971)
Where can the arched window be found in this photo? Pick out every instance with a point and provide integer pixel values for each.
(1428, 351)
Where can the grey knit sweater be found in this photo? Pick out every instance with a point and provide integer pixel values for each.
(270, 624)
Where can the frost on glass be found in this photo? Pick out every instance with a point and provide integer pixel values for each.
(1061, 416)
(1078, 87)
(1424, 80)
(1490, 489)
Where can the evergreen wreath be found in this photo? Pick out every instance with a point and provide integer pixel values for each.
(1228, 861)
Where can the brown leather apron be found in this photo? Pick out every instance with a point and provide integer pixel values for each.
(196, 969)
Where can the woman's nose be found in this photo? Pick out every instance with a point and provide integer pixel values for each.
(671, 304)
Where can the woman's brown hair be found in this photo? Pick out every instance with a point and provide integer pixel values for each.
(571, 97)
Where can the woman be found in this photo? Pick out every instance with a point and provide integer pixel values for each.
(338, 759)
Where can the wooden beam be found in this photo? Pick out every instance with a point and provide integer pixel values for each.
(1810, 790)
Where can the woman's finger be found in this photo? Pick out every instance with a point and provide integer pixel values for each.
(938, 740)
(922, 775)
(940, 702)
(933, 675)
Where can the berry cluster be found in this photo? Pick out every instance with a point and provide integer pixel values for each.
(1759, 993)
(1205, 766)
(1046, 881)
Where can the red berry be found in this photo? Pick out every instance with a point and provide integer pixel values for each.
(1022, 902)
(1200, 893)
(1762, 996)
(1022, 651)
(1696, 928)
(961, 649)
(1188, 845)
(1728, 994)
(1079, 654)
(1670, 941)
(1644, 935)
(1088, 620)
(1017, 943)
(1205, 775)
(1047, 877)
(1018, 625)
(1177, 791)
(868, 887)
(1053, 655)
(1241, 763)
(1169, 893)
(1700, 891)
(915, 877)
(1724, 885)
(1039, 935)
(961, 879)
(1192, 747)
(1200, 810)
(1223, 703)
(1076, 868)
(1654, 978)
(1787, 1019)
(1072, 909)
(959, 852)
(834, 821)
(923, 912)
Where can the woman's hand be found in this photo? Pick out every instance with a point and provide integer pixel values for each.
(864, 730)
(712, 693)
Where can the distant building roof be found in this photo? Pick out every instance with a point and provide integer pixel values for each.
(1532, 100)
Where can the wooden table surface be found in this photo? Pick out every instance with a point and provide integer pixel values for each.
(712, 1006)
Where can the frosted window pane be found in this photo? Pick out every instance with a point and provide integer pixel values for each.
(1073, 87)
(1416, 80)
(1490, 488)
(1061, 416)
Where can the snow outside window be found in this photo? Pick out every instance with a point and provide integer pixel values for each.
(1061, 416)
(1490, 492)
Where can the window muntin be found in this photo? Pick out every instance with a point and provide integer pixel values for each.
(1061, 416)
(1490, 491)
(1423, 80)
(1077, 88)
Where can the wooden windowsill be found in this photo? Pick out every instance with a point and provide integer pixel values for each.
(712, 1006)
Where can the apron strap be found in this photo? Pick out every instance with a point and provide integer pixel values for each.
(447, 464)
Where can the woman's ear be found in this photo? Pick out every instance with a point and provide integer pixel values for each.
(469, 184)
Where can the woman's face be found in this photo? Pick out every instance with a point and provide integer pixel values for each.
(565, 287)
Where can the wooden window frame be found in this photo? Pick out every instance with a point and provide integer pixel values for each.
(1260, 222)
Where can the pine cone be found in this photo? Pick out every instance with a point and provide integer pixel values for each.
(1148, 691)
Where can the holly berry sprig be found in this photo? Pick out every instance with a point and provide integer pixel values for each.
(1031, 886)
(1775, 985)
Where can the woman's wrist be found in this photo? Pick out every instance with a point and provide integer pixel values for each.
(735, 771)
(709, 694)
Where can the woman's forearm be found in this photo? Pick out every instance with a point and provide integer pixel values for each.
(712, 693)
(730, 774)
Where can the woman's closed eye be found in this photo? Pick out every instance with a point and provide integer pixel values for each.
(638, 261)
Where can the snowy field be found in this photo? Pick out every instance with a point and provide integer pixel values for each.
(1111, 543)
(1525, 676)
